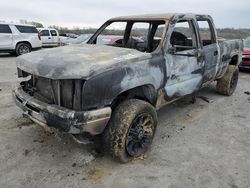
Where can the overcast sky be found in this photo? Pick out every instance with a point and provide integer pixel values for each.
(86, 13)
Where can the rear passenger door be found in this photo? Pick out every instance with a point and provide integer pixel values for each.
(210, 47)
(6, 38)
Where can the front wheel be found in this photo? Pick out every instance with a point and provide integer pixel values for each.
(228, 83)
(130, 131)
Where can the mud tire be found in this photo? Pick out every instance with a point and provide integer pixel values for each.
(228, 83)
(115, 135)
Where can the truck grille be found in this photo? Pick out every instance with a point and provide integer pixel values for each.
(65, 93)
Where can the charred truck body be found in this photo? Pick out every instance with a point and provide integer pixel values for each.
(114, 90)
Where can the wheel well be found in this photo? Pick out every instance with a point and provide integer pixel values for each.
(234, 60)
(145, 92)
(26, 42)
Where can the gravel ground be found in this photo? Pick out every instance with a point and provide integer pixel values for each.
(196, 145)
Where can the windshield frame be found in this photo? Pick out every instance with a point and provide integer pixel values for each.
(94, 37)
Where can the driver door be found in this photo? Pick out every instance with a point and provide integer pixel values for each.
(184, 62)
(54, 36)
(45, 36)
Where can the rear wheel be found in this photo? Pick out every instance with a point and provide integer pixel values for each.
(23, 48)
(228, 83)
(130, 131)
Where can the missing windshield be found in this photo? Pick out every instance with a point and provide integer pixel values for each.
(144, 36)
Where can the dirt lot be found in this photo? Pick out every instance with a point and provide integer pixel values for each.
(196, 145)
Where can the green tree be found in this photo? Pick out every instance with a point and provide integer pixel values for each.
(36, 24)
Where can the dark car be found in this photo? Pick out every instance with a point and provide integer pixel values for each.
(246, 55)
(112, 91)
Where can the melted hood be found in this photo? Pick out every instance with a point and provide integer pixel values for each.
(77, 61)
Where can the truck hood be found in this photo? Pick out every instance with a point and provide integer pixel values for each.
(77, 61)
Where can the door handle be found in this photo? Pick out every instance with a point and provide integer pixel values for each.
(215, 53)
(49, 37)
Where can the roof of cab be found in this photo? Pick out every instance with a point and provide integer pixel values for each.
(167, 16)
(147, 17)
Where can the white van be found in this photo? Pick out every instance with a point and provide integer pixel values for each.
(19, 38)
(49, 37)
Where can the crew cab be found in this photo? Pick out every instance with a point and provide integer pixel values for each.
(112, 91)
(50, 37)
(19, 39)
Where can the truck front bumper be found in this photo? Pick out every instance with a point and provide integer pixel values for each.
(63, 119)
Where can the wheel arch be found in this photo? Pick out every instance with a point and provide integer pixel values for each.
(26, 42)
(144, 92)
(235, 60)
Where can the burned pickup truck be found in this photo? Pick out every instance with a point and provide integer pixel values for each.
(112, 90)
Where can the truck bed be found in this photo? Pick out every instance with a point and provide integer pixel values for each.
(229, 50)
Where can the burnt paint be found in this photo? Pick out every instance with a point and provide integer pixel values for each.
(109, 71)
(100, 90)
(133, 73)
